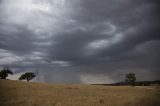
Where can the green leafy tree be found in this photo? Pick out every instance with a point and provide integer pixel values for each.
(27, 76)
(131, 78)
(4, 73)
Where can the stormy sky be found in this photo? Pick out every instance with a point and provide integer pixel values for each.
(80, 41)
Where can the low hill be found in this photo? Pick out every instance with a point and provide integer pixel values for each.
(137, 83)
(18, 93)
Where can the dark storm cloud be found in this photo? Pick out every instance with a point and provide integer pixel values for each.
(72, 46)
(19, 42)
(135, 20)
(93, 38)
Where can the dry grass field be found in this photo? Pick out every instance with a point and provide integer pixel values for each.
(16, 93)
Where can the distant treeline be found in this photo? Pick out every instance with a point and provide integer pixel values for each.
(137, 83)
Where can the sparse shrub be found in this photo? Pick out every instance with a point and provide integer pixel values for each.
(101, 101)
(75, 88)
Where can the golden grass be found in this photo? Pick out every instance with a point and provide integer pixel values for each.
(16, 93)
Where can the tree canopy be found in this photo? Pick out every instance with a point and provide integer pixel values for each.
(27, 76)
(4, 73)
(131, 78)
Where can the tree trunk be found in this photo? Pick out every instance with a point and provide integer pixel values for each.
(28, 79)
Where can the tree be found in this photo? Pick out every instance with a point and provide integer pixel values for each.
(4, 73)
(131, 78)
(27, 76)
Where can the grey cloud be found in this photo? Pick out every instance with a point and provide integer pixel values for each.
(85, 37)
(18, 42)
